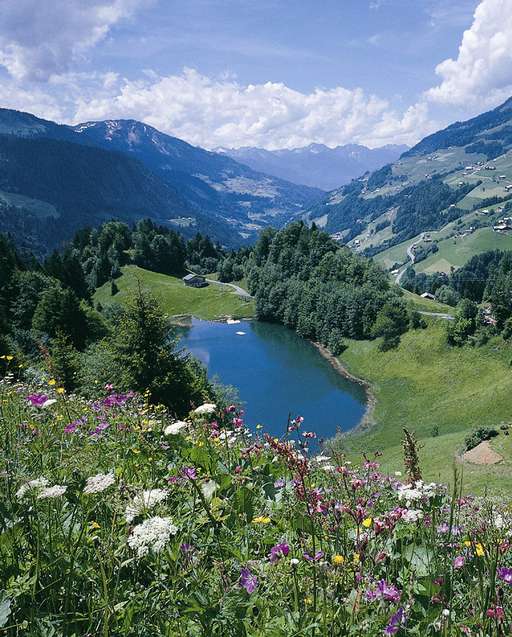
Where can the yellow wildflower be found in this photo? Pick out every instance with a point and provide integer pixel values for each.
(52, 382)
(94, 525)
(9, 358)
(60, 390)
(308, 600)
(338, 560)
(367, 522)
(479, 550)
(261, 519)
(356, 559)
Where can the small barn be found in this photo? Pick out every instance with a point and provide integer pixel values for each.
(428, 295)
(195, 281)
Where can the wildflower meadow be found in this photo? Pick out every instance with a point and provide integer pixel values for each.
(117, 519)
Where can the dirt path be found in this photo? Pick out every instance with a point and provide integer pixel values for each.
(240, 291)
(482, 454)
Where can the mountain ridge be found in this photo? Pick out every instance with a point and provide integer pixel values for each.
(461, 173)
(197, 190)
(317, 164)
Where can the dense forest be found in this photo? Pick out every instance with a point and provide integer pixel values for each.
(301, 278)
(47, 318)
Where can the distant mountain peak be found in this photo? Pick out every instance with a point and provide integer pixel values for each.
(317, 164)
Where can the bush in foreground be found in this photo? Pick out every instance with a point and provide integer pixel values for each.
(118, 520)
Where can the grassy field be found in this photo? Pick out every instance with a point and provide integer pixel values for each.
(211, 302)
(458, 250)
(426, 305)
(426, 384)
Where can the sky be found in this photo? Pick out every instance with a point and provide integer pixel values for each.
(266, 73)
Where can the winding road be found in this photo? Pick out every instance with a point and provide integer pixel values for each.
(240, 291)
(410, 254)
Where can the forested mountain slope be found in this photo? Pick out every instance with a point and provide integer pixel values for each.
(53, 172)
(448, 175)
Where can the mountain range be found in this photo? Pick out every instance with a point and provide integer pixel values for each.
(57, 178)
(317, 165)
(460, 175)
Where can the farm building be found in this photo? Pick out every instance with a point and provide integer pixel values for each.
(195, 281)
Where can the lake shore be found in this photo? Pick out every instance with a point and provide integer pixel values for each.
(367, 420)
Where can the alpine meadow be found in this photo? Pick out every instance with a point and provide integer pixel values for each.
(255, 318)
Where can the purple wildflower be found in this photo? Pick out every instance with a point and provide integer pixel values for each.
(37, 400)
(278, 551)
(309, 558)
(189, 472)
(384, 591)
(388, 592)
(505, 574)
(248, 580)
(458, 562)
(395, 621)
(280, 483)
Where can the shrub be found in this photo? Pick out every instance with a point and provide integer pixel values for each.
(477, 436)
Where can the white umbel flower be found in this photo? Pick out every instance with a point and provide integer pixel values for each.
(56, 491)
(152, 535)
(175, 428)
(207, 408)
(143, 502)
(38, 483)
(412, 515)
(99, 482)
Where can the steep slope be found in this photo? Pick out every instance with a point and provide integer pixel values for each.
(317, 165)
(456, 173)
(196, 190)
(49, 188)
(243, 198)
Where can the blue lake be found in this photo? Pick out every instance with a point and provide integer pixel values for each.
(277, 373)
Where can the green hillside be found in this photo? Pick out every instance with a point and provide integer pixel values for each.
(440, 186)
(211, 302)
(456, 251)
(425, 384)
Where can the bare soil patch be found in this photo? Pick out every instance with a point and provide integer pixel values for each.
(482, 454)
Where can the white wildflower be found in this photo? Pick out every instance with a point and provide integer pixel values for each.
(329, 468)
(321, 458)
(207, 408)
(48, 402)
(143, 502)
(52, 492)
(398, 474)
(412, 515)
(31, 485)
(208, 489)
(294, 561)
(99, 482)
(151, 535)
(175, 428)
(408, 493)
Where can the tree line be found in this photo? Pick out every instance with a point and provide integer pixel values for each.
(48, 321)
(303, 279)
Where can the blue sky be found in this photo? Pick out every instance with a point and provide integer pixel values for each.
(272, 73)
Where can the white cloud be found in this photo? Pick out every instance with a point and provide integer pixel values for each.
(41, 38)
(481, 75)
(221, 112)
